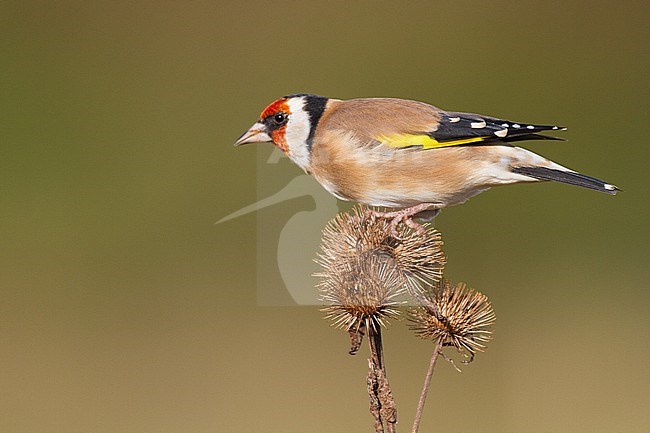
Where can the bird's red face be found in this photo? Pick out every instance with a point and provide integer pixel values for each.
(275, 116)
(272, 126)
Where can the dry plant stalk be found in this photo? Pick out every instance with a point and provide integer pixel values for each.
(454, 316)
(365, 277)
(382, 404)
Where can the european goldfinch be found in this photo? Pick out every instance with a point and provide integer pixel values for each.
(399, 153)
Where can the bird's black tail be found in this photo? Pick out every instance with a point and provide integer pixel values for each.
(570, 177)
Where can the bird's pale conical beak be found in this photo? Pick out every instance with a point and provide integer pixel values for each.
(256, 134)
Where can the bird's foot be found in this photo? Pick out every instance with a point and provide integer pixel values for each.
(406, 216)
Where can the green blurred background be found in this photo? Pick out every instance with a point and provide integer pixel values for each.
(125, 309)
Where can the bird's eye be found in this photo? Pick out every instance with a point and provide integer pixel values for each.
(280, 118)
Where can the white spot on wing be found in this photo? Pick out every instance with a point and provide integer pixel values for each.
(516, 125)
(530, 127)
(555, 127)
(505, 125)
(454, 119)
(501, 133)
(610, 187)
(477, 125)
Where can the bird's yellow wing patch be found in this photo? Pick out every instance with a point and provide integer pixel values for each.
(424, 141)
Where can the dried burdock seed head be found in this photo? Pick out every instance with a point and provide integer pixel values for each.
(418, 258)
(463, 319)
(351, 235)
(362, 293)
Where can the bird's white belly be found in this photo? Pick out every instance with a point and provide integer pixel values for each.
(398, 198)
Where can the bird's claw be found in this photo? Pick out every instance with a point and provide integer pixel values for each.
(402, 216)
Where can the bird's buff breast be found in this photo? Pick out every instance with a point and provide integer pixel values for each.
(381, 176)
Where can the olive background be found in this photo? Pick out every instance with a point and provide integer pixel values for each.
(124, 308)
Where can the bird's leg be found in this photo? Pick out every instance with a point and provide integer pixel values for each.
(406, 216)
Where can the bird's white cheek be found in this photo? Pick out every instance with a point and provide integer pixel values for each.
(296, 135)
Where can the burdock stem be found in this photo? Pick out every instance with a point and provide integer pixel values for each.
(427, 383)
(376, 346)
(382, 405)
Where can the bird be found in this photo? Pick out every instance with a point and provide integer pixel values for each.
(408, 156)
